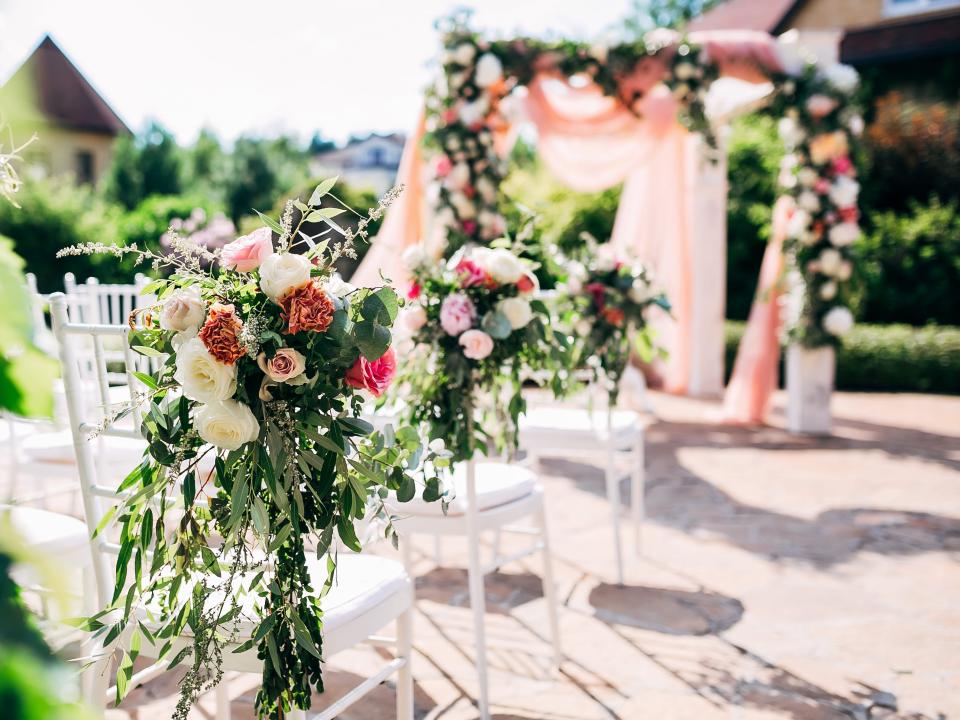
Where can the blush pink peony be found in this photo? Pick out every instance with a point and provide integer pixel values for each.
(246, 253)
(457, 313)
(476, 344)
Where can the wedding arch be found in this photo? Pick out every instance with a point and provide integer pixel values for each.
(638, 112)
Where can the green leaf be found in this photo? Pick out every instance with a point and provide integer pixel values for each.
(408, 488)
(347, 533)
(270, 222)
(356, 426)
(323, 441)
(322, 189)
(146, 380)
(373, 339)
(281, 537)
(323, 213)
(146, 351)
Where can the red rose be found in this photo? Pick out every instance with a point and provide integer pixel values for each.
(850, 214)
(220, 334)
(471, 274)
(414, 292)
(374, 376)
(599, 293)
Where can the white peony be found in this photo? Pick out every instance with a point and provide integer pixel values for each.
(844, 192)
(842, 77)
(281, 273)
(502, 265)
(828, 291)
(203, 377)
(414, 256)
(184, 310)
(808, 201)
(463, 53)
(844, 234)
(830, 261)
(838, 321)
(474, 112)
(516, 310)
(489, 70)
(228, 424)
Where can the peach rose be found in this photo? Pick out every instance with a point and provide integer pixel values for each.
(476, 344)
(221, 332)
(374, 376)
(828, 146)
(246, 253)
(307, 307)
(287, 365)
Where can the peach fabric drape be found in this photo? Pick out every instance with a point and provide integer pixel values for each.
(403, 225)
(754, 378)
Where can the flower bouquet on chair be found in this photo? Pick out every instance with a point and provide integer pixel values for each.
(607, 301)
(477, 333)
(256, 453)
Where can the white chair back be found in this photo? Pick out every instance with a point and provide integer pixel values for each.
(105, 304)
(97, 495)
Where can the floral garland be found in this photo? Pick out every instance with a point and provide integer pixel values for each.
(472, 105)
(256, 453)
(476, 330)
(607, 301)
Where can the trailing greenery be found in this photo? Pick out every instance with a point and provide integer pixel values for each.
(887, 358)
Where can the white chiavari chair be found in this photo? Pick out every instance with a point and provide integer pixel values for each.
(370, 593)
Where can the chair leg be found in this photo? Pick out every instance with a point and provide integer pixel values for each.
(478, 608)
(637, 492)
(297, 714)
(549, 586)
(613, 497)
(222, 695)
(495, 552)
(438, 550)
(405, 674)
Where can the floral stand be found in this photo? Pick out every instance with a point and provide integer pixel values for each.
(810, 375)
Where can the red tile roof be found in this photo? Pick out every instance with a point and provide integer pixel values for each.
(62, 93)
(763, 15)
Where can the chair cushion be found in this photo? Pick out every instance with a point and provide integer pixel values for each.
(362, 582)
(559, 427)
(497, 484)
(50, 533)
(57, 447)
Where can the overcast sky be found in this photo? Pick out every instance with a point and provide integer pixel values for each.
(269, 66)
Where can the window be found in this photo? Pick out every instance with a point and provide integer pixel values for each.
(375, 157)
(84, 167)
(894, 8)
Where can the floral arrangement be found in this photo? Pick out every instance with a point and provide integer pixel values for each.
(257, 455)
(211, 233)
(607, 301)
(472, 105)
(475, 331)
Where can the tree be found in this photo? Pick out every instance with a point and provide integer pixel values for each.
(143, 166)
(646, 15)
(319, 144)
(124, 183)
(205, 159)
(252, 181)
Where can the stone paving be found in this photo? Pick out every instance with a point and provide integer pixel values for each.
(780, 577)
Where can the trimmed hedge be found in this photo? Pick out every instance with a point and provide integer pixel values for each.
(888, 358)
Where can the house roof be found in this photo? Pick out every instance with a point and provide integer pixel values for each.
(914, 36)
(763, 15)
(61, 92)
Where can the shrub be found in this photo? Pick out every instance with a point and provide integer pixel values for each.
(150, 219)
(56, 214)
(887, 358)
(149, 164)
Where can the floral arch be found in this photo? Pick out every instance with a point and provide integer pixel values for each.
(601, 113)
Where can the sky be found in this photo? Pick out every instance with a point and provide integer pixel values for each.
(270, 66)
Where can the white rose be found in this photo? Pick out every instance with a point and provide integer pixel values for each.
(337, 286)
(790, 132)
(828, 291)
(502, 265)
(684, 71)
(517, 311)
(640, 291)
(838, 321)
(474, 112)
(844, 234)
(458, 177)
(464, 53)
(183, 310)
(830, 261)
(842, 77)
(465, 208)
(228, 424)
(798, 223)
(489, 70)
(808, 177)
(281, 273)
(414, 256)
(583, 327)
(203, 377)
(808, 201)
(844, 192)
(856, 124)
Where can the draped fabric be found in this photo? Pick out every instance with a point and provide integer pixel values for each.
(591, 142)
(754, 379)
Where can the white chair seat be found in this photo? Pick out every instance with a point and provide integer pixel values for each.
(122, 454)
(497, 484)
(577, 428)
(50, 533)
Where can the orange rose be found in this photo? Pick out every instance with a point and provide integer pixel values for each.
(220, 334)
(307, 307)
(612, 315)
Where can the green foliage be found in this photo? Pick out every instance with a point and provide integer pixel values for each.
(252, 180)
(55, 214)
(909, 266)
(149, 164)
(888, 358)
(150, 219)
(647, 15)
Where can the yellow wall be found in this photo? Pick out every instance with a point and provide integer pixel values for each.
(55, 151)
(831, 14)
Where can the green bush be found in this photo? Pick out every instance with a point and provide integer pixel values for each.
(56, 214)
(150, 219)
(888, 358)
(909, 266)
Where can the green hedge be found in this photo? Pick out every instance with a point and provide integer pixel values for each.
(888, 358)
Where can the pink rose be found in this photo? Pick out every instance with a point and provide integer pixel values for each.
(248, 252)
(471, 274)
(443, 167)
(476, 344)
(821, 186)
(413, 318)
(842, 165)
(457, 313)
(286, 365)
(820, 105)
(374, 376)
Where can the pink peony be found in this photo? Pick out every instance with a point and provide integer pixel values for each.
(471, 274)
(374, 376)
(457, 313)
(476, 344)
(248, 252)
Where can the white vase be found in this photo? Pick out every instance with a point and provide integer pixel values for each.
(810, 375)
